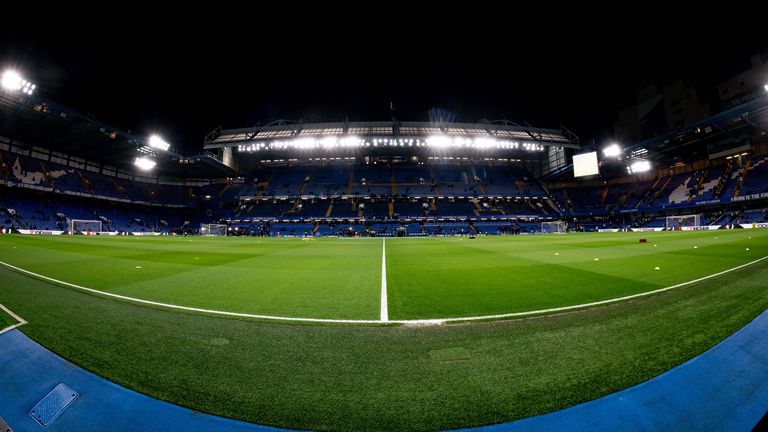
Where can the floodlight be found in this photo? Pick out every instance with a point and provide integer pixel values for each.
(350, 141)
(11, 80)
(640, 166)
(155, 141)
(612, 150)
(144, 164)
(328, 142)
(27, 87)
(766, 87)
(303, 143)
(483, 143)
(439, 141)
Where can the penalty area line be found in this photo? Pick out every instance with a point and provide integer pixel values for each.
(19, 320)
(185, 308)
(601, 302)
(428, 321)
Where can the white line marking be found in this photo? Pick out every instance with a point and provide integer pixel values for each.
(20, 320)
(353, 321)
(384, 308)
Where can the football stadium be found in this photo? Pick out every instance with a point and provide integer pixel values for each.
(387, 274)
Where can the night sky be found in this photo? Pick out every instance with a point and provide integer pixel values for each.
(183, 83)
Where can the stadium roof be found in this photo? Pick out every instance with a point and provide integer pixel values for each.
(285, 134)
(34, 121)
(720, 135)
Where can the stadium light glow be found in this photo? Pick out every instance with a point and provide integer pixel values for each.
(155, 141)
(351, 141)
(144, 164)
(484, 143)
(13, 81)
(612, 150)
(329, 142)
(437, 141)
(766, 87)
(639, 166)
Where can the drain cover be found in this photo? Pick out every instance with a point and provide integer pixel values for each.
(53, 404)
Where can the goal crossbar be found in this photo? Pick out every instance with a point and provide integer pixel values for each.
(554, 227)
(84, 226)
(679, 221)
(213, 230)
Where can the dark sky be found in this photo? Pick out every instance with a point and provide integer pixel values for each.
(183, 82)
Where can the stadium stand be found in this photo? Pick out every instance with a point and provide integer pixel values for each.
(371, 178)
(349, 190)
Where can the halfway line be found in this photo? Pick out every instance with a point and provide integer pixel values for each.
(384, 299)
(384, 308)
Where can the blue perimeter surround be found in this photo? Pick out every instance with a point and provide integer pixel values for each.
(28, 372)
(725, 388)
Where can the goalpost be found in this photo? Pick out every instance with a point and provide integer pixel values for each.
(213, 230)
(554, 227)
(677, 222)
(82, 226)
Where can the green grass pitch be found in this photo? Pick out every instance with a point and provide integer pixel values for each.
(6, 320)
(372, 377)
(430, 278)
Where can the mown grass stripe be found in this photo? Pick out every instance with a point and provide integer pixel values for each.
(351, 321)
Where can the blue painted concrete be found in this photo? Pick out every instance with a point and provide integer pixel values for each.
(28, 372)
(725, 388)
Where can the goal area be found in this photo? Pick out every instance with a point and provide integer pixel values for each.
(213, 230)
(83, 226)
(680, 221)
(555, 227)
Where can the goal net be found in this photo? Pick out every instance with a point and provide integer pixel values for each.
(677, 222)
(213, 230)
(555, 227)
(87, 227)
